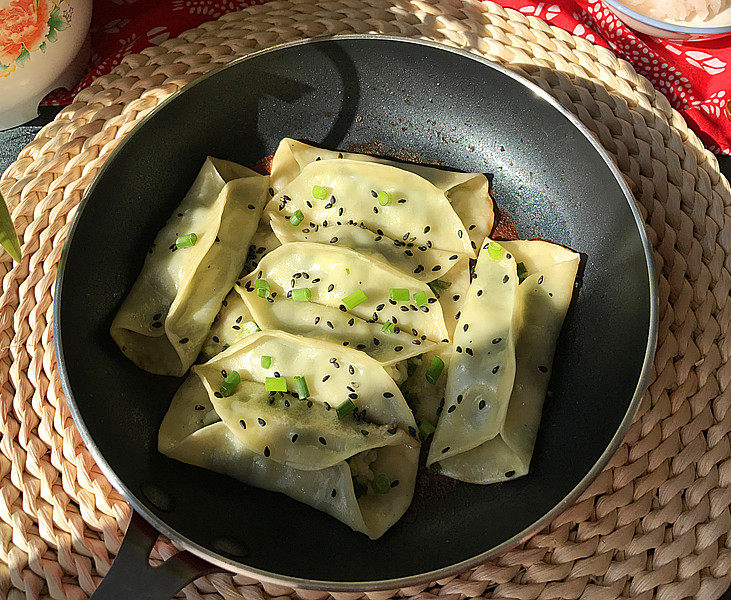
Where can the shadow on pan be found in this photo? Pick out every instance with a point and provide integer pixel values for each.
(421, 102)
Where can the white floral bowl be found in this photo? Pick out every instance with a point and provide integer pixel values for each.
(670, 30)
(40, 41)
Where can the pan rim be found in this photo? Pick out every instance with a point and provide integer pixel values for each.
(230, 565)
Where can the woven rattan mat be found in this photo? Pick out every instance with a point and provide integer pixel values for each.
(656, 522)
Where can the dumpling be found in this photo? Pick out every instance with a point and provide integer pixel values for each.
(162, 324)
(233, 323)
(331, 199)
(386, 329)
(502, 353)
(358, 466)
(468, 193)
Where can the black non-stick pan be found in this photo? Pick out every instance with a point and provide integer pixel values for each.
(406, 99)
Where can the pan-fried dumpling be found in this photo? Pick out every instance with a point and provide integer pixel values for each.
(330, 199)
(358, 467)
(468, 193)
(502, 353)
(162, 324)
(328, 275)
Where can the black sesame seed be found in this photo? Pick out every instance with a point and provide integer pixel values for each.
(351, 369)
(398, 348)
(466, 327)
(324, 379)
(427, 229)
(459, 398)
(334, 493)
(497, 340)
(479, 292)
(365, 431)
(223, 373)
(157, 317)
(353, 396)
(330, 325)
(251, 207)
(460, 233)
(374, 194)
(323, 441)
(262, 422)
(330, 288)
(333, 239)
(506, 279)
(309, 404)
(316, 280)
(436, 268)
(351, 322)
(496, 369)
(157, 324)
(327, 405)
(543, 369)
(317, 320)
(343, 308)
(184, 340)
(540, 280)
(387, 395)
(451, 408)
(509, 473)
(294, 438)
(445, 449)
(267, 452)
(218, 394)
(199, 407)
(459, 349)
(481, 405)
(242, 423)
(394, 483)
(271, 191)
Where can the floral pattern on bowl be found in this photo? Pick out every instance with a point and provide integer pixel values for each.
(26, 26)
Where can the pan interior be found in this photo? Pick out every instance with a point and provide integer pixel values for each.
(414, 102)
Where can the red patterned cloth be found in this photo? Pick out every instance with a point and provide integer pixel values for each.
(695, 76)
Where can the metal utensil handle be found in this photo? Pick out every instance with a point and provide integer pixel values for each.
(131, 575)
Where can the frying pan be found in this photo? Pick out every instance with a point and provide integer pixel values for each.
(407, 99)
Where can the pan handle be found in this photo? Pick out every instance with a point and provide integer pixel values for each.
(131, 575)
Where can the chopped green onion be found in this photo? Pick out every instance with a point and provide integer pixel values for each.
(296, 218)
(275, 384)
(354, 299)
(420, 299)
(249, 327)
(434, 370)
(438, 286)
(301, 294)
(384, 198)
(266, 362)
(494, 250)
(381, 484)
(400, 294)
(426, 428)
(319, 192)
(347, 271)
(262, 288)
(522, 272)
(359, 488)
(345, 409)
(388, 327)
(301, 385)
(186, 241)
(229, 384)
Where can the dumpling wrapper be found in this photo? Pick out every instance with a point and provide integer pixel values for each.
(468, 193)
(496, 442)
(420, 222)
(332, 273)
(262, 453)
(233, 323)
(162, 324)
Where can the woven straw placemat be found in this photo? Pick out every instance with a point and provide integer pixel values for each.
(656, 522)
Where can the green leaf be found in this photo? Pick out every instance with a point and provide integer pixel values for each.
(55, 23)
(42, 47)
(23, 56)
(8, 239)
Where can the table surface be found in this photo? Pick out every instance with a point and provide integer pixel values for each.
(13, 140)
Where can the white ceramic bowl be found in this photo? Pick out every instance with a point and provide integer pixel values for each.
(718, 27)
(41, 49)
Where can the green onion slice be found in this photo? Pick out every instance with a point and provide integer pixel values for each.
(354, 299)
(400, 294)
(347, 271)
(186, 241)
(319, 192)
(522, 272)
(421, 299)
(381, 484)
(301, 384)
(301, 294)
(296, 217)
(494, 250)
(384, 198)
(426, 428)
(266, 362)
(345, 409)
(275, 384)
(262, 288)
(229, 384)
(434, 370)
(388, 327)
